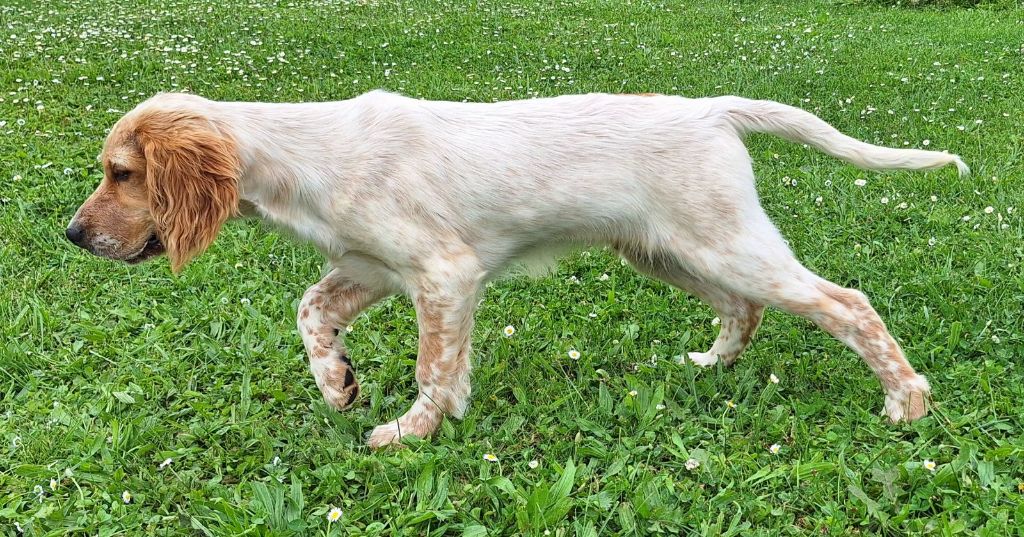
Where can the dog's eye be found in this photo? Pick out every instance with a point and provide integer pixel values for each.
(122, 175)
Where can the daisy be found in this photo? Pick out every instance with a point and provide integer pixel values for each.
(509, 330)
(730, 404)
(632, 393)
(126, 497)
(490, 457)
(929, 465)
(860, 182)
(659, 406)
(574, 354)
(692, 464)
(53, 484)
(773, 379)
(533, 464)
(334, 514)
(774, 449)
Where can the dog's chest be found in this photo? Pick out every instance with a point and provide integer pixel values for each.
(304, 224)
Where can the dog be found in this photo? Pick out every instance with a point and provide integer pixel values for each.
(433, 199)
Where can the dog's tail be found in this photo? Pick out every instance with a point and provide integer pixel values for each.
(799, 126)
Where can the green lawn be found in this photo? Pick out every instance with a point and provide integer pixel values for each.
(192, 393)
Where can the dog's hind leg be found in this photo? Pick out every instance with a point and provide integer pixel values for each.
(760, 267)
(739, 316)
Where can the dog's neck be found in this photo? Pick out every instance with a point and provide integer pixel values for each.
(295, 156)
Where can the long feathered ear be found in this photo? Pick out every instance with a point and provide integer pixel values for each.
(192, 172)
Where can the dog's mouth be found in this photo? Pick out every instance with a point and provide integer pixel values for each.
(153, 247)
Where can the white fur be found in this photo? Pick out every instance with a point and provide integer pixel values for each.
(437, 197)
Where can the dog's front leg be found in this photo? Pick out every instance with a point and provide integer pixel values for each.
(445, 300)
(326, 309)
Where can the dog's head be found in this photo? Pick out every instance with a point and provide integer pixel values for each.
(170, 180)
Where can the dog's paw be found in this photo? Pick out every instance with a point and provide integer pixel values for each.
(702, 359)
(338, 386)
(386, 435)
(910, 401)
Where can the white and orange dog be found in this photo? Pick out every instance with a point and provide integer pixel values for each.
(433, 199)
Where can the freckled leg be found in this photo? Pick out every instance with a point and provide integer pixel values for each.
(739, 316)
(326, 309)
(444, 312)
(739, 321)
(762, 269)
(847, 315)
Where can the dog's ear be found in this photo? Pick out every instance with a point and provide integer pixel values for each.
(192, 172)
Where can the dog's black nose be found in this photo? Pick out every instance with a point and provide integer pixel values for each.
(76, 234)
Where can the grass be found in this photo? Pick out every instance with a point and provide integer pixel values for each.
(191, 392)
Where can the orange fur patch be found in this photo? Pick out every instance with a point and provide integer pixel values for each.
(192, 173)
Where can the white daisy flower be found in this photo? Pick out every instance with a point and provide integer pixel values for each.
(860, 182)
(929, 465)
(533, 464)
(774, 449)
(773, 379)
(490, 457)
(334, 514)
(574, 354)
(692, 464)
(509, 330)
(126, 497)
